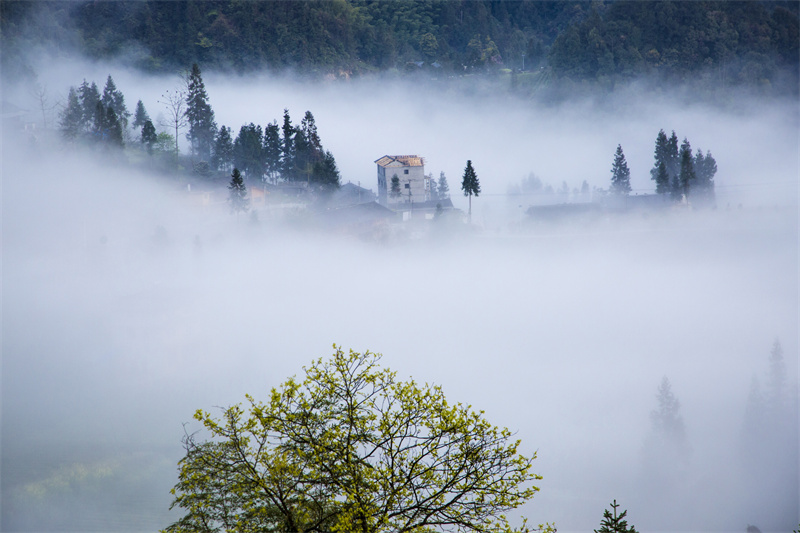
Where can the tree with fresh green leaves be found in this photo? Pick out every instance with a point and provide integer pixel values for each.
(614, 522)
(470, 185)
(394, 190)
(237, 194)
(349, 447)
(199, 116)
(620, 174)
(443, 187)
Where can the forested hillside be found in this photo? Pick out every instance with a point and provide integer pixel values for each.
(593, 44)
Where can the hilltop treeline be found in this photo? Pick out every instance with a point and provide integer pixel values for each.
(596, 43)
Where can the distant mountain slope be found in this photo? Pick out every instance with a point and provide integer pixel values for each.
(596, 43)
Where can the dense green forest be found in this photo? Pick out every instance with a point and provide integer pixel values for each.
(568, 44)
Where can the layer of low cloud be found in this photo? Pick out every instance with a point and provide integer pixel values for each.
(113, 335)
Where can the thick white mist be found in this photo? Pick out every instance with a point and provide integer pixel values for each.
(112, 337)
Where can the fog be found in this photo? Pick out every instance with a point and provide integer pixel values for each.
(113, 334)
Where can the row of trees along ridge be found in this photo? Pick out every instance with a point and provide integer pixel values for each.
(288, 153)
(677, 173)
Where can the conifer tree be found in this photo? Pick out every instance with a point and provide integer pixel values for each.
(672, 161)
(140, 116)
(113, 128)
(222, 155)
(394, 192)
(615, 523)
(113, 98)
(659, 172)
(705, 167)
(199, 115)
(470, 185)
(72, 117)
(237, 195)
(288, 156)
(89, 97)
(272, 150)
(326, 173)
(620, 174)
(444, 188)
(248, 151)
(433, 188)
(149, 136)
(687, 176)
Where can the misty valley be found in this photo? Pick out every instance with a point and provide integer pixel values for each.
(399, 298)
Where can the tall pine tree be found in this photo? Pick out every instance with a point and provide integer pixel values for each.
(470, 185)
(620, 174)
(272, 150)
(659, 172)
(288, 155)
(222, 155)
(687, 176)
(113, 98)
(200, 116)
(72, 117)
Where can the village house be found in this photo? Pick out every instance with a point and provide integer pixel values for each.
(410, 171)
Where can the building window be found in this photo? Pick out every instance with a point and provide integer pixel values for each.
(408, 185)
(405, 171)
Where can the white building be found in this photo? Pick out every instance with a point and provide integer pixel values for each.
(410, 172)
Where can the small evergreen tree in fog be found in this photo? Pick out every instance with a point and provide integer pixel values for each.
(248, 151)
(113, 127)
(444, 188)
(615, 523)
(72, 117)
(149, 136)
(687, 176)
(394, 191)
(326, 174)
(770, 440)
(433, 188)
(199, 115)
(89, 97)
(659, 172)
(237, 193)
(140, 116)
(288, 159)
(114, 99)
(222, 155)
(620, 174)
(470, 185)
(272, 150)
(705, 168)
(666, 451)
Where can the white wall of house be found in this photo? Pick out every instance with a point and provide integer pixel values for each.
(412, 180)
